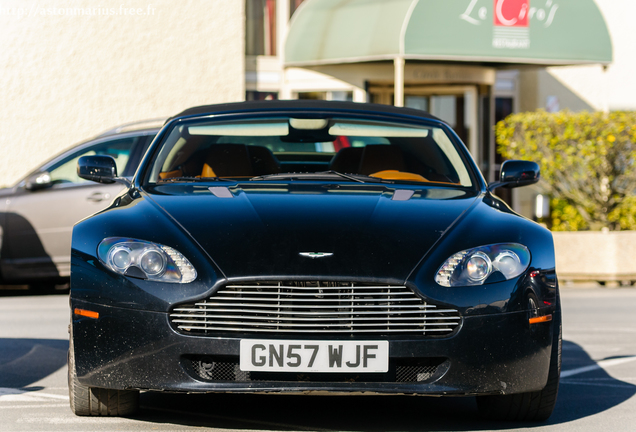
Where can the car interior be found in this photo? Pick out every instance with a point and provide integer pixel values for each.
(410, 159)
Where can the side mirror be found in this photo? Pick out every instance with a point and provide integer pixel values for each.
(101, 169)
(41, 180)
(515, 173)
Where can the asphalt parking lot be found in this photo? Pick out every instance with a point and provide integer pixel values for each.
(597, 386)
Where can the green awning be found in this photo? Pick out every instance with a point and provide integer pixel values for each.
(545, 32)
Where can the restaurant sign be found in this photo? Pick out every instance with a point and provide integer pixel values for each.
(512, 18)
(532, 31)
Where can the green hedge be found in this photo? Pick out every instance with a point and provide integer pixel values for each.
(588, 164)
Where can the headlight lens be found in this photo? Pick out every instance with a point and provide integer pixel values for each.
(152, 262)
(478, 267)
(475, 266)
(145, 260)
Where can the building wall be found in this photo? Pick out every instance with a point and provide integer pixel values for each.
(592, 87)
(71, 69)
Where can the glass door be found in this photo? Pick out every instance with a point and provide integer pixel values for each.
(456, 105)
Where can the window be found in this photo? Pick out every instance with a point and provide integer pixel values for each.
(252, 95)
(504, 106)
(260, 27)
(293, 5)
(312, 95)
(417, 102)
(241, 149)
(65, 171)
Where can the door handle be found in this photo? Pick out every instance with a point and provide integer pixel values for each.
(98, 196)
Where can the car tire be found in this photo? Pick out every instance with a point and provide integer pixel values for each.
(93, 401)
(530, 406)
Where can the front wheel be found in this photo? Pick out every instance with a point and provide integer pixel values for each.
(92, 401)
(530, 406)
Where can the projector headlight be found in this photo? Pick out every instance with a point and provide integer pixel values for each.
(474, 266)
(145, 260)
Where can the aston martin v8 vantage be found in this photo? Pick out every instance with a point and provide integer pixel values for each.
(312, 247)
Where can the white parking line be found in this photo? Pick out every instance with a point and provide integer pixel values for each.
(22, 406)
(600, 365)
(600, 330)
(19, 395)
(596, 384)
(602, 379)
(74, 419)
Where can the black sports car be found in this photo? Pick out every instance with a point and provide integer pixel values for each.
(312, 247)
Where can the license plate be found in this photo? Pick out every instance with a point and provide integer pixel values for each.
(314, 356)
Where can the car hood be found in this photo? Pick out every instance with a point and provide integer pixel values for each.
(314, 230)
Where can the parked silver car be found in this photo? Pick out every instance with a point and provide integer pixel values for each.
(37, 214)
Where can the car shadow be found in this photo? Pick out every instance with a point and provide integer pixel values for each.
(34, 290)
(23, 255)
(380, 413)
(27, 361)
(24, 362)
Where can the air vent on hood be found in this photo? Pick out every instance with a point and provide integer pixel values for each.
(221, 192)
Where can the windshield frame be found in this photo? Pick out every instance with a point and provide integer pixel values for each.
(142, 177)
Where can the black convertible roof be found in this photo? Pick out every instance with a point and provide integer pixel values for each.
(281, 105)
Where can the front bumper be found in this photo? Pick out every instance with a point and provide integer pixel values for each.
(133, 349)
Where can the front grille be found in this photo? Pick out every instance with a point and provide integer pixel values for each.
(209, 368)
(314, 307)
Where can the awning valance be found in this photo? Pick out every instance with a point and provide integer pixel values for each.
(544, 32)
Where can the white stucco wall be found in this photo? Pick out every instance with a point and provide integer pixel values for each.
(614, 89)
(65, 77)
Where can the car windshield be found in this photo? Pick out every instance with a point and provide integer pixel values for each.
(309, 148)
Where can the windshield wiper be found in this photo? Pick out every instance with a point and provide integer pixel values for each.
(347, 176)
(321, 174)
(192, 179)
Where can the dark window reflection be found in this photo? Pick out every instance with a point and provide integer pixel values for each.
(251, 95)
(260, 27)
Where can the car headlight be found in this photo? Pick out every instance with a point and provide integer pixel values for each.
(145, 260)
(474, 266)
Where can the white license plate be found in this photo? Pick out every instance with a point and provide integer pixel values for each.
(314, 356)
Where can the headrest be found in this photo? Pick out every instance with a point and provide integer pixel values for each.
(347, 160)
(263, 160)
(381, 157)
(227, 160)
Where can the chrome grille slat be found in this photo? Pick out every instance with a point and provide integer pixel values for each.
(314, 307)
(357, 325)
(321, 313)
(261, 330)
(312, 319)
(300, 288)
(290, 299)
(314, 291)
(324, 296)
(296, 306)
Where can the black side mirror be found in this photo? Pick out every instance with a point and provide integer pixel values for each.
(515, 173)
(41, 180)
(101, 169)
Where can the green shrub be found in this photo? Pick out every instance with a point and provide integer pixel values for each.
(588, 164)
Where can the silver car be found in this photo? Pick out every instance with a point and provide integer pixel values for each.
(37, 214)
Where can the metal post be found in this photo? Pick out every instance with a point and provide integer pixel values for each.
(398, 92)
(282, 16)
